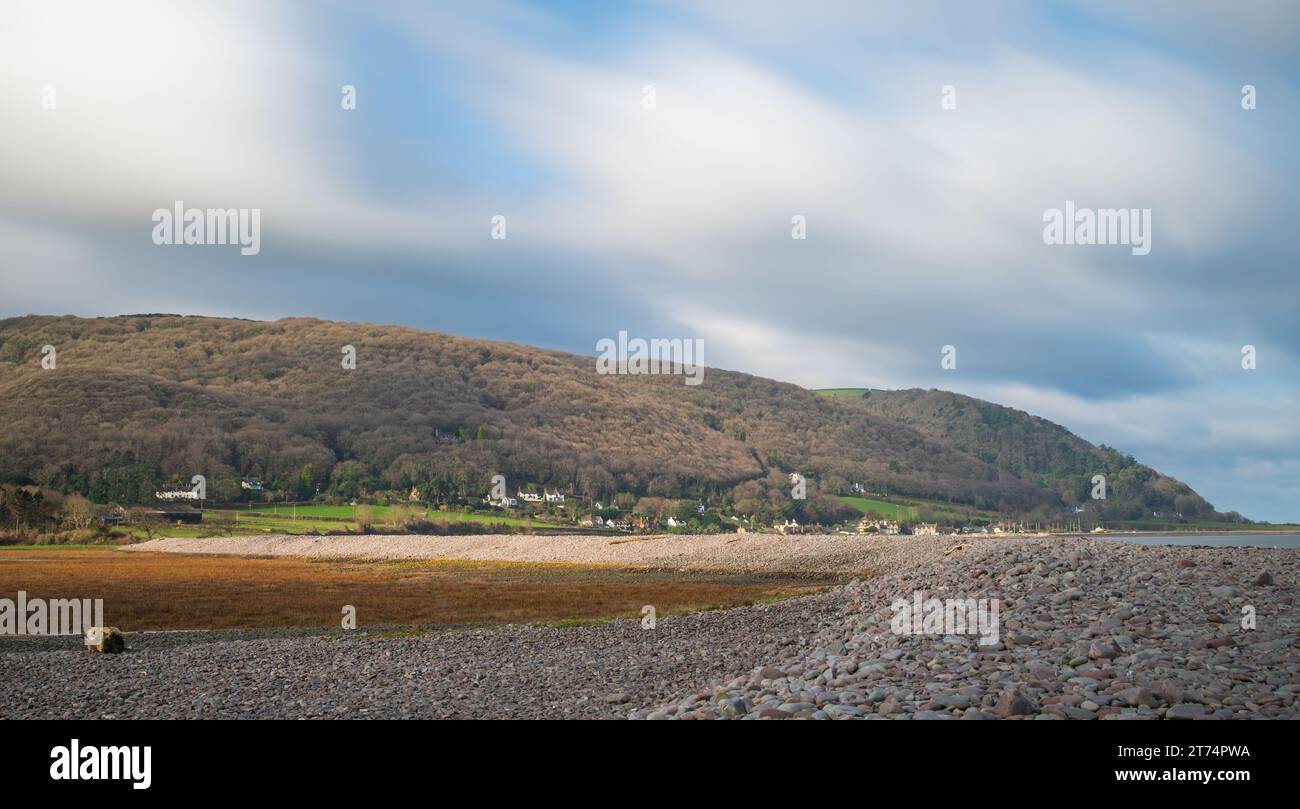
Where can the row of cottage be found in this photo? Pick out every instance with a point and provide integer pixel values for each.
(547, 496)
(929, 529)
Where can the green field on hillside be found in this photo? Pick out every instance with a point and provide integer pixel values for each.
(890, 511)
(845, 392)
(910, 508)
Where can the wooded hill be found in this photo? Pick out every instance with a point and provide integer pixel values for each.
(140, 401)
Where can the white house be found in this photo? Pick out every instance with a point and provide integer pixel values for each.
(529, 497)
(553, 498)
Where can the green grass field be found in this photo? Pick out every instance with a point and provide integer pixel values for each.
(909, 508)
(278, 524)
(312, 510)
(855, 393)
(186, 531)
(890, 511)
(458, 516)
(312, 519)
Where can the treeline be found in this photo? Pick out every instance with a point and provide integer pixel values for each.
(30, 514)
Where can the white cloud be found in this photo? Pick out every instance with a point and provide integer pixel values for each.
(704, 182)
(215, 104)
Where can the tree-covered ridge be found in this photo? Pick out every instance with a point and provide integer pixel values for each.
(138, 402)
(1039, 452)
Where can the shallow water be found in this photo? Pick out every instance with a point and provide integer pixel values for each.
(1213, 540)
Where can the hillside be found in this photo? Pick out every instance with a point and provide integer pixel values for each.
(1033, 449)
(139, 401)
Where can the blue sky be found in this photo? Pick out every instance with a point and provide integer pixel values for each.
(924, 224)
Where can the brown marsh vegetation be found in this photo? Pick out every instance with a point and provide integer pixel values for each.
(164, 591)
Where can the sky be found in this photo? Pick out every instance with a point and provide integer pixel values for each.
(649, 161)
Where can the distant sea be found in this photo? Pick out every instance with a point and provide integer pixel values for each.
(1213, 540)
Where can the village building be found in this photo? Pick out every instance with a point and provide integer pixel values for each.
(793, 527)
(925, 529)
(867, 525)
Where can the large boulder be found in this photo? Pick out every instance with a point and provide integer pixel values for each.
(1015, 702)
(105, 640)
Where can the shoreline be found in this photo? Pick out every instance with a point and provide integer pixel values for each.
(1212, 533)
(836, 554)
(1088, 630)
